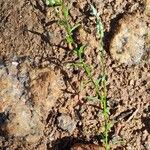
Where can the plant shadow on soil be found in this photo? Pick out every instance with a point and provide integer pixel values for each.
(146, 121)
(40, 7)
(62, 144)
(67, 142)
(3, 120)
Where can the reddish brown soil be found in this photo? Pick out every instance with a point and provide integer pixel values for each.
(41, 106)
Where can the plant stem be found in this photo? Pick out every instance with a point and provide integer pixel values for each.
(101, 94)
(103, 99)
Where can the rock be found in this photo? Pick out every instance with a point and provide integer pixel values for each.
(87, 147)
(10, 89)
(24, 122)
(128, 45)
(147, 8)
(66, 123)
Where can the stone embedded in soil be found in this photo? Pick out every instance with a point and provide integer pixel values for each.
(10, 89)
(26, 96)
(66, 123)
(128, 45)
(22, 120)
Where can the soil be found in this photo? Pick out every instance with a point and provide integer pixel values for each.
(41, 106)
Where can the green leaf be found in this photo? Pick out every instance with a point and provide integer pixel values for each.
(80, 51)
(69, 39)
(53, 2)
(77, 64)
(100, 28)
(99, 25)
(97, 81)
(102, 98)
(62, 22)
(87, 69)
(109, 125)
(103, 78)
(94, 11)
(76, 26)
(65, 11)
(107, 110)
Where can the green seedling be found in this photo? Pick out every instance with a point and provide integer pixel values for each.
(100, 83)
(103, 94)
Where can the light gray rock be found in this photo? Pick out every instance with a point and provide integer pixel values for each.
(66, 123)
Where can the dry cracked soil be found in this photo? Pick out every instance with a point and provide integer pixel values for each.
(41, 106)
